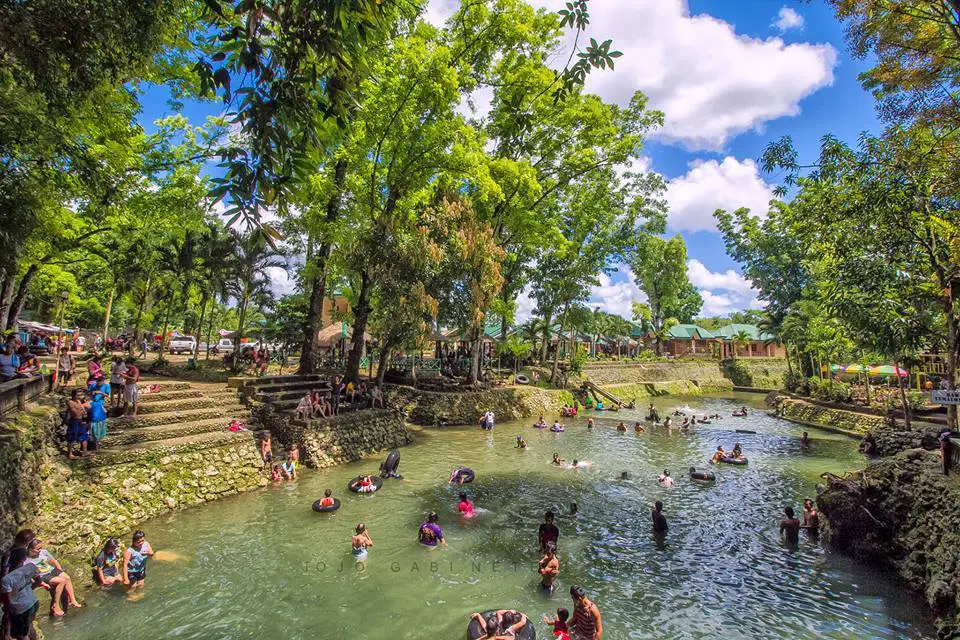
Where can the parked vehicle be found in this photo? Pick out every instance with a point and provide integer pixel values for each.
(225, 345)
(183, 344)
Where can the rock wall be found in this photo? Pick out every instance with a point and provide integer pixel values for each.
(759, 373)
(24, 451)
(903, 512)
(83, 503)
(828, 418)
(440, 408)
(331, 441)
(628, 392)
(707, 371)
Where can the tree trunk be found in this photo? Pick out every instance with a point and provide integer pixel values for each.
(166, 325)
(952, 346)
(106, 317)
(203, 309)
(546, 337)
(16, 305)
(139, 317)
(384, 364)
(311, 343)
(556, 359)
(241, 321)
(213, 311)
(361, 313)
(6, 298)
(903, 395)
(474, 375)
(786, 349)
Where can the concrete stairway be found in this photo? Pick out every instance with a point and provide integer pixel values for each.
(177, 417)
(285, 392)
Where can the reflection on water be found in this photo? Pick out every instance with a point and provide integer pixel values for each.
(264, 564)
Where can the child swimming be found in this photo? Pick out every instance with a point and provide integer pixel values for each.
(465, 507)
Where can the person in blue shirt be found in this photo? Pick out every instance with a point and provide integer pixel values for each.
(99, 398)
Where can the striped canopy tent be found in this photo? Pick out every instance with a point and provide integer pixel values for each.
(888, 370)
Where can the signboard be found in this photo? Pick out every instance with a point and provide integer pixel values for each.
(945, 397)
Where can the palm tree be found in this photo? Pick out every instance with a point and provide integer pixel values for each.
(621, 328)
(531, 330)
(740, 339)
(216, 251)
(253, 257)
(663, 333)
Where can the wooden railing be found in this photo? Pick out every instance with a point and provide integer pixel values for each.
(15, 394)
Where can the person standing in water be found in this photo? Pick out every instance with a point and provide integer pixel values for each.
(135, 561)
(430, 532)
(548, 532)
(549, 566)
(790, 527)
(465, 507)
(587, 623)
(660, 526)
(811, 520)
(665, 480)
(361, 542)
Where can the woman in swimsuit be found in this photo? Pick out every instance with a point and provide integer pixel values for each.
(51, 575)
(106, 566)
(361, 541)
(465, 507)
(135, 561)
(557, 460)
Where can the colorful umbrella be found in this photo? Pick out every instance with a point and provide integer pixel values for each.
(836, 368)
(888, 370)
(855, 368)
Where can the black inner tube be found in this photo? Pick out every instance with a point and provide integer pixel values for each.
(354, 485)
(745, 431)
(389, 467)
(732, 460)
(333, 507)
(703, 475)
(474, 632)
(467, 474)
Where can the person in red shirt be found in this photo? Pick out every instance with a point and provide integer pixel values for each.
(465, 507)
(130, 395)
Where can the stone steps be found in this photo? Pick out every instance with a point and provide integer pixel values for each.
(225, 410)
(125, 454)
(281, 380)
(167, 431)
(163, 396)
(183, 404)
(284, 396)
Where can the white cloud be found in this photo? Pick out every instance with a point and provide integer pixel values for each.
(787, 19)
(616, 297)
(729, 280)
(716, 304)
(280, 281)
(525, 306)
(709, 185)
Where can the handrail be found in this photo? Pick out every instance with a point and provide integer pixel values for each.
(14, 394)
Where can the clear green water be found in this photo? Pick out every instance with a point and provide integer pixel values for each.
(264, 565)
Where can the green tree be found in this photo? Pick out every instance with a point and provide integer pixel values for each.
(660, 270)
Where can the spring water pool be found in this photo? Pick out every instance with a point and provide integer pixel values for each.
(264, 564)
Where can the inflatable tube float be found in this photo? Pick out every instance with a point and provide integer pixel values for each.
(730, 460)
(526, 632)
(704, 476)
(539, 425)
(466, 473)
(354, 485)
(388, 469)
(557, 429)
(745, 431)
(331, 508)
(738, 415)
(522, 379)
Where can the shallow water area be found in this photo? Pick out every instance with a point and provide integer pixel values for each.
(265, 565)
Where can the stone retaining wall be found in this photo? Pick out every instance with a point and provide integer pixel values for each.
(23, 453)
(331, 441)
(635, 372)
(836, 419)
(761, 373)
(83, 505)
(440, 408)
(628, 392)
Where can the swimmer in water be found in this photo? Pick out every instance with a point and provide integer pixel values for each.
(805, 439)
(621, 427)
(659, 521)
(790, 527)
(465, 507)
(327, 500)
(719, 453)
(557, 460)
(361, 542)
(665, 480)
(737, 451)
(638, 428)
(574, 508)
(668, 422)
(430, 532)
(549, 566)
(624, 476)
(521, 443)
(589, 423)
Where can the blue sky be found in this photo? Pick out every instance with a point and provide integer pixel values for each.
(730, 76)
